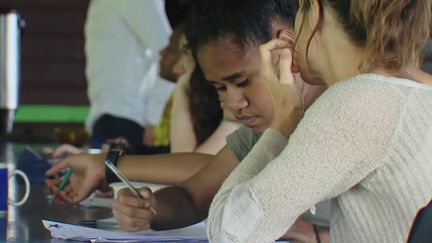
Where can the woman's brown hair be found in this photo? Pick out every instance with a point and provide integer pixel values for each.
(393, 33)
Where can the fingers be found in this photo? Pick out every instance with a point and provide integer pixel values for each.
(55, 180)
(133, 214)
(126, 197)
(132, 224)
(62, 195)
(65, 149)
(130, 208)
(81, 188)
(67, 194)
(285, 62)
(87, 176)
(146, 193)
(276, 69)
(47, 151)
(277, 59)
(267, 50)
(77, 189)
(57, 168)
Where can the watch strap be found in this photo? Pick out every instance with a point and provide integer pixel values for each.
(113, 156)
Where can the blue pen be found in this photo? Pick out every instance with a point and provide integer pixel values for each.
(63, 181)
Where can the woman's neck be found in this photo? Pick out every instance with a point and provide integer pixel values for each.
(343, 60)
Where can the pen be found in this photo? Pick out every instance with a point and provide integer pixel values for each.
(98, 224)
(62, 184)
(126, 181)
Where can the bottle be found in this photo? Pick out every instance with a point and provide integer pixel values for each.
(10, 31)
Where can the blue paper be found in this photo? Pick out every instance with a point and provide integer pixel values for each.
(33, 166)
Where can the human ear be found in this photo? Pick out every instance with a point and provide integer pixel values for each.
(288, 35)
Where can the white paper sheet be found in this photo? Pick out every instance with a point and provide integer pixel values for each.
(81, 233)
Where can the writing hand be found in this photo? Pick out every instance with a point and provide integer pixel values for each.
(132, 213)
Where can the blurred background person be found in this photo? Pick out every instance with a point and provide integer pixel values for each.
(192, 121)
(122, 39)
(197, 110)
(197, 121)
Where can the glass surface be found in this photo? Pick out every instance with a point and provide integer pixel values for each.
(23, 224)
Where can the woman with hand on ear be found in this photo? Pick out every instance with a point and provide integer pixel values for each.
(366, 142)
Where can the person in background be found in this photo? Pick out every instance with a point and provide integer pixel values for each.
(229, 27)
(198, 122)
(122, 39)
(169, 56)
(366, 142)
(158, 140)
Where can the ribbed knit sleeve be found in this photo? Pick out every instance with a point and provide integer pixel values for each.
(268, 148)
(343, 140)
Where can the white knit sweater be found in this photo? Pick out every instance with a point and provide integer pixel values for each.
(366, 141)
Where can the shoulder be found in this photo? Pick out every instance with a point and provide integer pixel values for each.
(365, 102)
(363, 93)
(241, 141)
(367, 86)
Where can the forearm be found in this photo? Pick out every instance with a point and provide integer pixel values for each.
(182, 134)
(216, 141)
(165, 168)
(267, 148)
(176, 209)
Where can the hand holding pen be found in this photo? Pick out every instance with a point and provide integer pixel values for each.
(123, 178)
(62, 184)
(132, 213)
(87, 176)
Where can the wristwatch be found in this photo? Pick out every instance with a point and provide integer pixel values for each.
(113, 157)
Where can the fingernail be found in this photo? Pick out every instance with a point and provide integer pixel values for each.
(145, 194)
